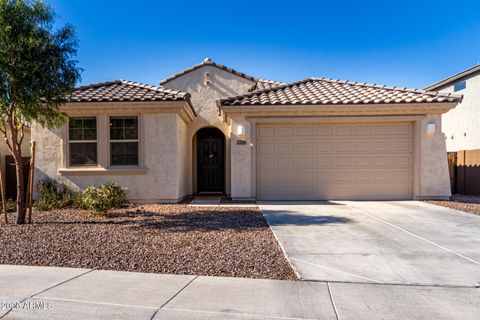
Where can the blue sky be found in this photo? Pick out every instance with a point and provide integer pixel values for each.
(403, 43)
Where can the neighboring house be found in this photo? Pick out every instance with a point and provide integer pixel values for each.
(211, 129)
(462, 130)
(461, 125)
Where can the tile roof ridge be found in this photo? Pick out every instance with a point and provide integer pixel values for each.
(251, 94)
(383, 86)
(270, 81)
(154, 88)
(98, 84)
(264, 94)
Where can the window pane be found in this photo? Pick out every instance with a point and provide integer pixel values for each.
(75, 123)
(82, 128)
(89, 134)
(116, 134)
(83, 153)
(124, 153)
(76, 134)
(124, 128)
(130, 122)
(460, 86)
(131, 133)
(90, 122)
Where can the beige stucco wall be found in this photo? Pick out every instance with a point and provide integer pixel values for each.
(430, 180)
(433, 177)
(183, 159)
(4, 151)
(160, 155)
(461, 125)
(203, 97)
(242, 160)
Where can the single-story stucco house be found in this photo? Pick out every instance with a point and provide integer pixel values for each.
(212, 129)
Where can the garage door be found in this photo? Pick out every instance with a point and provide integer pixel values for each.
(341, 161)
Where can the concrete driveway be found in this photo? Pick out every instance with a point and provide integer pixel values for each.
(402, 242)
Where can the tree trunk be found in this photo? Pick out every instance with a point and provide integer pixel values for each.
(20, 188)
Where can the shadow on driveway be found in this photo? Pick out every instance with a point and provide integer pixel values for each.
(277, 214)
(283, 218)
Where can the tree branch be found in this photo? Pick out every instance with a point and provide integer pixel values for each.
(22, 135)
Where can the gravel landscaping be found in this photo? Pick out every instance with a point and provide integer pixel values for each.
(469, 204)
(232, 242)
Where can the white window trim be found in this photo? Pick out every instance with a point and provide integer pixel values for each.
(103, 150)
(69, 165)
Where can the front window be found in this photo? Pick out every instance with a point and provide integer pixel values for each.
(82, 141)
(124, 141)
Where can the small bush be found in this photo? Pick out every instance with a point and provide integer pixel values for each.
(53, 195)
(10, 204)
(106, 197)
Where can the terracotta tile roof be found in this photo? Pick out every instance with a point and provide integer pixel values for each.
(263, 84)
(456, 77)
(322, 91)
(207, 62)
(122, 90)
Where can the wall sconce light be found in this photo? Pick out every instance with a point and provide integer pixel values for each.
(241, 130)
(431, 129)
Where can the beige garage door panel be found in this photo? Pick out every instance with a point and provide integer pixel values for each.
(354, 161)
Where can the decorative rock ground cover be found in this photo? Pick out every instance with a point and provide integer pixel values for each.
(178, 239)
(469, 204)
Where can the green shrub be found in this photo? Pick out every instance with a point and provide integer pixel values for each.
(106, 197)
(53, 195)
(10, 204)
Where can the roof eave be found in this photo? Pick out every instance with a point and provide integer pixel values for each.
(336, 109)
(447, 81)
(182, 107)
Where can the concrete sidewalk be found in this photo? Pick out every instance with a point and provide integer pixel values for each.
(62, 293)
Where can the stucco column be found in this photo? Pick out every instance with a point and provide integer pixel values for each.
(434, 176)
(241, 159)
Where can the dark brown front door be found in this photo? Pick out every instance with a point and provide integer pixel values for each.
(210, 160)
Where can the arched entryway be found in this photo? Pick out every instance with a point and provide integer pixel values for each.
(210, 161)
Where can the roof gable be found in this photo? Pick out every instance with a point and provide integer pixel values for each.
(207, 62)
(323, 91)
